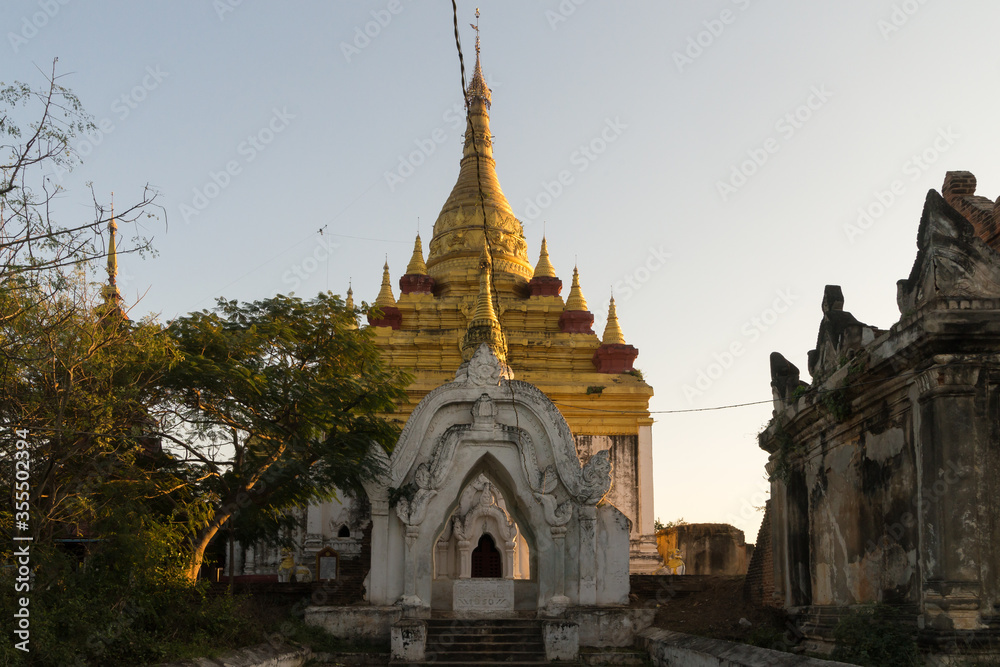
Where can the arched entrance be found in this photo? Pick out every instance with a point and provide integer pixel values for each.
(486, 561)
(508, 438)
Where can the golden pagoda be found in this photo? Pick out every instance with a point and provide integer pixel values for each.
(478, 285)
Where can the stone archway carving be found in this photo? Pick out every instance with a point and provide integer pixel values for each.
(484, 421)
(485, 516)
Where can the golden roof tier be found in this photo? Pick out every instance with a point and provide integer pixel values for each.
(453, 255)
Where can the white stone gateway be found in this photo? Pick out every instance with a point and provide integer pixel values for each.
(505, 437)
(486, 511)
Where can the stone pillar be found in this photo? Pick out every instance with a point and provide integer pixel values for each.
(588, 553)
(950, 433)
(441, 562)
(409, 640)
(779, 534)
(508, 558)
(378, 577)
(314, 520)
(647, 515)
(464, 559)
(559, 538)
(410, 562)
(562, 640)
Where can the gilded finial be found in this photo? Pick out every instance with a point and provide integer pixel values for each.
(544, 268)
(349, 304)
(416, 267)
(575, 301)
(111, 296)
(475, 26)
(484, 327)
(113, 248)
(385, 297)
(612, 331)
(477, 87)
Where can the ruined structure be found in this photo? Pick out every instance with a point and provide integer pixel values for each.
(705, 548)
(885, 469)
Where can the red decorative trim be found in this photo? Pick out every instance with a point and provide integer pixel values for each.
(543, 286)
(576, 321)
(391, 317)
(413, 283)
(615, 358)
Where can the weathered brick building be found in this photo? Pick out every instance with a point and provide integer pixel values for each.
(885, 469)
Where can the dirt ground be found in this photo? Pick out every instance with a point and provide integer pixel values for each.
(716, 610)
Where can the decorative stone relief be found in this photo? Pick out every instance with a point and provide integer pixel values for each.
(484, 596)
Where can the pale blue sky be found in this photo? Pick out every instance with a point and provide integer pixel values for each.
(886, 79)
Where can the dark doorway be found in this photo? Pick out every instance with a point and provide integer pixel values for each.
(486, 560)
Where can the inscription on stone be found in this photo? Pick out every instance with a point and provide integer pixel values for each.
(327, 567)
(483, 596)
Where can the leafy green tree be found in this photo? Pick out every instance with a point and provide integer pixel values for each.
(275, 404)
(79, 380)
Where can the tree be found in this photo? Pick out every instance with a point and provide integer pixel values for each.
(275, 404)
(80, 381)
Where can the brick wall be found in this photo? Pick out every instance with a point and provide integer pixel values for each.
(959, 190)
(759, 586)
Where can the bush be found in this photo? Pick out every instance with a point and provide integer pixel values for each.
(875, 634)
(128, 603)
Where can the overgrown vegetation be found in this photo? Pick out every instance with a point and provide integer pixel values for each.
(786, 449)
(659, 525)
(876, 634)
(136, 443)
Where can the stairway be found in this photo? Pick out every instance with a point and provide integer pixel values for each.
(484, 642)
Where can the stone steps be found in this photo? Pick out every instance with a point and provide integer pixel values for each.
(484, 642)
(614, 657)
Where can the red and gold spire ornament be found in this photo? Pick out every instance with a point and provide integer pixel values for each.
(614, 355)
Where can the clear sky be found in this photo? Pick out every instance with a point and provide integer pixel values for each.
(714, 159)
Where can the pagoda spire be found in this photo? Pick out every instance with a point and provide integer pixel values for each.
(575, 300)
(349, 304)
(544, 268)
(416, 280)
(477, 205)
(416, 267)
(575, 317)
(385, 297)
(614, 355)
(111, 296)
(484, 327)
(544, 281)
(385, 303)
(612, 331)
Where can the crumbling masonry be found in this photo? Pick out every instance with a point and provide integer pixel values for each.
(885, 470)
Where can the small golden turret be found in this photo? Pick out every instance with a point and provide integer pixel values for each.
(575, 301)
(416, 267)
(612, 331)
(544, 268)
(484, 327)
(349, 304)
(112, 298)
(385, 297)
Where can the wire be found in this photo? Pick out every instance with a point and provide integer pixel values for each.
(810, 390)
